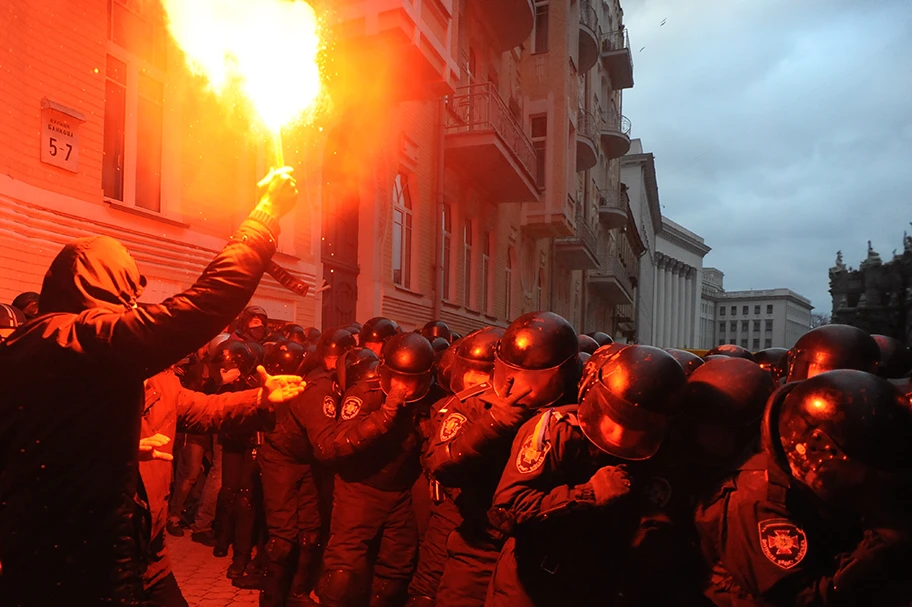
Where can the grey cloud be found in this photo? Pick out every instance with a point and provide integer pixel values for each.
(781, 129)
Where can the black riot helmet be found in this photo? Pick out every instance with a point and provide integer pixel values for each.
(245, 331)
(895, 358)
(774, 361)
(11, 318)
(832, 347)
(407, 358)
(258, 351)
(454, 336)
(294, 332)
(731, 350)
(587, 344)
(357, 365)
(723, 402)
(688, 360)
(376, 331)
(627, 411)
(436, 328)
(475, 353)
(283, 358)
(601, 338)
(27, 303)
(844, 435)
(310, 361)
(311, 334)
(233, 362)
(333, 344)
(593, 364)
(539, 351)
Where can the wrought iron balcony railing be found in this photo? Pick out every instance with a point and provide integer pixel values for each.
(613, 121)
(615, 41)
(586, 124)
(479, 108)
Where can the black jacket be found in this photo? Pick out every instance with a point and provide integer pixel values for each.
(70, 411)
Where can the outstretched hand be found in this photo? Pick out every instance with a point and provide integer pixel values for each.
(148, 448)
(279, 192)
(280, 388)
(323, 287)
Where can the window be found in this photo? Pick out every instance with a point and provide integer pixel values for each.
(756, 325)
(467, 263)
(733, 326)
(756, 310)
(508, 280)
(134, 114)
(722, 327)
(734, 310)
(769, 308)
(767, 343)
(447, 248)
(769, 326)
(539, 141)
(756, 343)
(744, 325)
(721, 342)
(402, 232)
(744, 343)
(733, 341)
(540, 34)
(721, 310)
(744, 310)
(485, 272)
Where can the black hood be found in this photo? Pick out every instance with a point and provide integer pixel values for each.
(94, 272)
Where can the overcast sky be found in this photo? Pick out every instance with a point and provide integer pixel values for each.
(782, 130)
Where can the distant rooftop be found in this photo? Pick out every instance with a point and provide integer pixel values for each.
(764, 294)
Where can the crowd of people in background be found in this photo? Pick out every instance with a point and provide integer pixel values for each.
(363, 465)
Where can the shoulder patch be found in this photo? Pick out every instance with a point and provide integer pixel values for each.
(351, 407)
(329, 407)
(529, 458)
(783, 542)
(451, 425)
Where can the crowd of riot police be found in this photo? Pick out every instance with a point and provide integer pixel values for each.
(534, 466)
(525, 465)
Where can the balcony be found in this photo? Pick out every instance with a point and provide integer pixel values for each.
(612, 208)
(403, 45)
(615, 134)
(485, 143)
(611, 281)
(552, 217)
(578, 252)
(586, 134)
(617, 59)
(511, 21)
(588, 36)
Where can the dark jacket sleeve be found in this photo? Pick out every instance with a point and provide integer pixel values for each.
(198, 412)
(530, 491)
(148, 339)
(360, 433)
(453, 455)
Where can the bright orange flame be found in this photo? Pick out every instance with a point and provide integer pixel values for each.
(266, 48)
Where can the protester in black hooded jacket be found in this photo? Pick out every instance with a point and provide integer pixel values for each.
(72, 400)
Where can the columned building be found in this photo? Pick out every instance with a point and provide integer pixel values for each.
(678, 280)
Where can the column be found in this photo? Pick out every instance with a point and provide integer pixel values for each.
(682, 310)
(675, 303)
(692, 305)
(669, 302)
(658, 310)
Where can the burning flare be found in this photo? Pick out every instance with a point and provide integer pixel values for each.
(267, 49)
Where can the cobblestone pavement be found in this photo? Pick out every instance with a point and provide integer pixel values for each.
(201, 576)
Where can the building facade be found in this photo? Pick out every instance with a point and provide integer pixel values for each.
(755, 319)
(474, 176)
(877, 297)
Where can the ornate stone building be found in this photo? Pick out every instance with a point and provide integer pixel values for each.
(877, 297)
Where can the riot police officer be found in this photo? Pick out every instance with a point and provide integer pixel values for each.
(895, 357)
(688, 360)
(731, 350)
(436, 328)
(832, 347)
(375, 332)
(250, 325)
(374, 449)
(535, 365)
(817, 517)
(774, 361)
(574, 490)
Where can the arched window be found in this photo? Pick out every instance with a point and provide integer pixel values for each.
(402, 232)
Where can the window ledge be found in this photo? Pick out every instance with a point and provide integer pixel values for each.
(126, 208)
(472, 311)
(449, 304)
(286, 256)
(402, 289)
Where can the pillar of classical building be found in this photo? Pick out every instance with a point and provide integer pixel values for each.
(675, 304)
(689, 338)
(669, 295)
(658, 310)
(682, 310)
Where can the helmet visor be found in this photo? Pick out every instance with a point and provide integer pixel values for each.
(546, 385)
(618, 427)
(417, 385)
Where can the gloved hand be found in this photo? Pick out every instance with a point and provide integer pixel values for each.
(505, 409)
(279, 192)
(395, 400)
(609, 484)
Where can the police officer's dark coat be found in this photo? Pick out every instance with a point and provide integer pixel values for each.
(70, 412)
